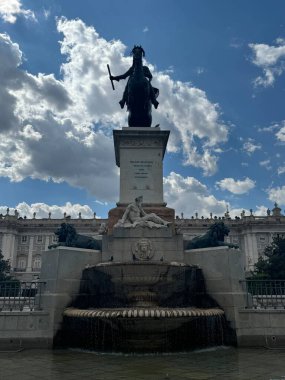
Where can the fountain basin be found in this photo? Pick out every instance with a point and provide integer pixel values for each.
(143, 307)
(144, 329)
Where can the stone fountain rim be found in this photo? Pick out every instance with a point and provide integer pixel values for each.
(140, 312)
(144, 262)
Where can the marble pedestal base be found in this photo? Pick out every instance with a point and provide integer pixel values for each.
(142, 243)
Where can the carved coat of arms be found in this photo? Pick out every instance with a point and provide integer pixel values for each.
(143, 249)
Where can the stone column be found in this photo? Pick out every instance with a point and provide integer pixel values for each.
(251, 249)
(30, 254)
(47, 243)
(9, 248)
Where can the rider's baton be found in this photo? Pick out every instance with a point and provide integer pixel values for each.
(110, 76)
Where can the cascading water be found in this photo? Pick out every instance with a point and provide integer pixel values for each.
(143, 307)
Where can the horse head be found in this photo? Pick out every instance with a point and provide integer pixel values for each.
(138, 53)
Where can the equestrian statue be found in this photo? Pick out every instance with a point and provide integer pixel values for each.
(139, 94)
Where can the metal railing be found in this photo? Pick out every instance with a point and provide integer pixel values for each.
(21, 295)
(265, 294)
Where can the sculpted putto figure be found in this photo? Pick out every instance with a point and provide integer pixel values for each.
(135, 216)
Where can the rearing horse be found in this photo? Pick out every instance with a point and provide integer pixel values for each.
(138, 94)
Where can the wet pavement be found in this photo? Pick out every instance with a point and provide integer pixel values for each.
(220, 363)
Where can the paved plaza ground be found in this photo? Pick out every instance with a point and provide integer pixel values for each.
(214, 364)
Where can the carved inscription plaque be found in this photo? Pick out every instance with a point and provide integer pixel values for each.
(141, 168)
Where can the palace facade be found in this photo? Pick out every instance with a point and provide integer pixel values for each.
(23, 240)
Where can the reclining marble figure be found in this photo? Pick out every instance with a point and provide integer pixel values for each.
(135, 216)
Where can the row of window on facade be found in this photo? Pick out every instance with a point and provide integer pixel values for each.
(39, 238)
(22, 264)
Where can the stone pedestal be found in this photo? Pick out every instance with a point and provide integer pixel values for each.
(145, 244)
(139, 154)
(61, 271)
(223, 271)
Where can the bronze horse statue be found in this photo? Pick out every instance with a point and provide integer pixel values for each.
(139, 94)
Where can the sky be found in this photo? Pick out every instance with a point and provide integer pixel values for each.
(220, 69)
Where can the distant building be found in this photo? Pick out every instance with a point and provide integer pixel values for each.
(22, 240)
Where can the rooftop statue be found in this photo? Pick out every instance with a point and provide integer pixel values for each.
(135, 216)
(139, 94)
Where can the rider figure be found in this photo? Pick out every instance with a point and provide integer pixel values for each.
(147, 74)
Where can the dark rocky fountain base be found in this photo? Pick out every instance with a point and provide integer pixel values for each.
(143, 307)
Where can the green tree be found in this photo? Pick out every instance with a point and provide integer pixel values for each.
(4, 268)
(9, 286)
(272, 267)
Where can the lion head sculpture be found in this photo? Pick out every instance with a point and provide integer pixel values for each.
(214, 237)
(66, 234)
(218, 231)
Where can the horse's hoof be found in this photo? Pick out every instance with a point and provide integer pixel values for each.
(122, 103)
(155, 103)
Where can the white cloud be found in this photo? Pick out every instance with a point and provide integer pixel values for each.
(236, 43)
(200, 70)
(188, 195)
(42, 210)
(46, 13)
(280, 127)
(11, 9)
(48, 124)
(101, 203)
(271, 128)
(236, 186)
(145, 29)
(270, 59)
(250, 146)
(29, 133)
(200, 196)
(281, 170)
(281, 134)
(265, 164)
(261, 211)
(277, 194)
